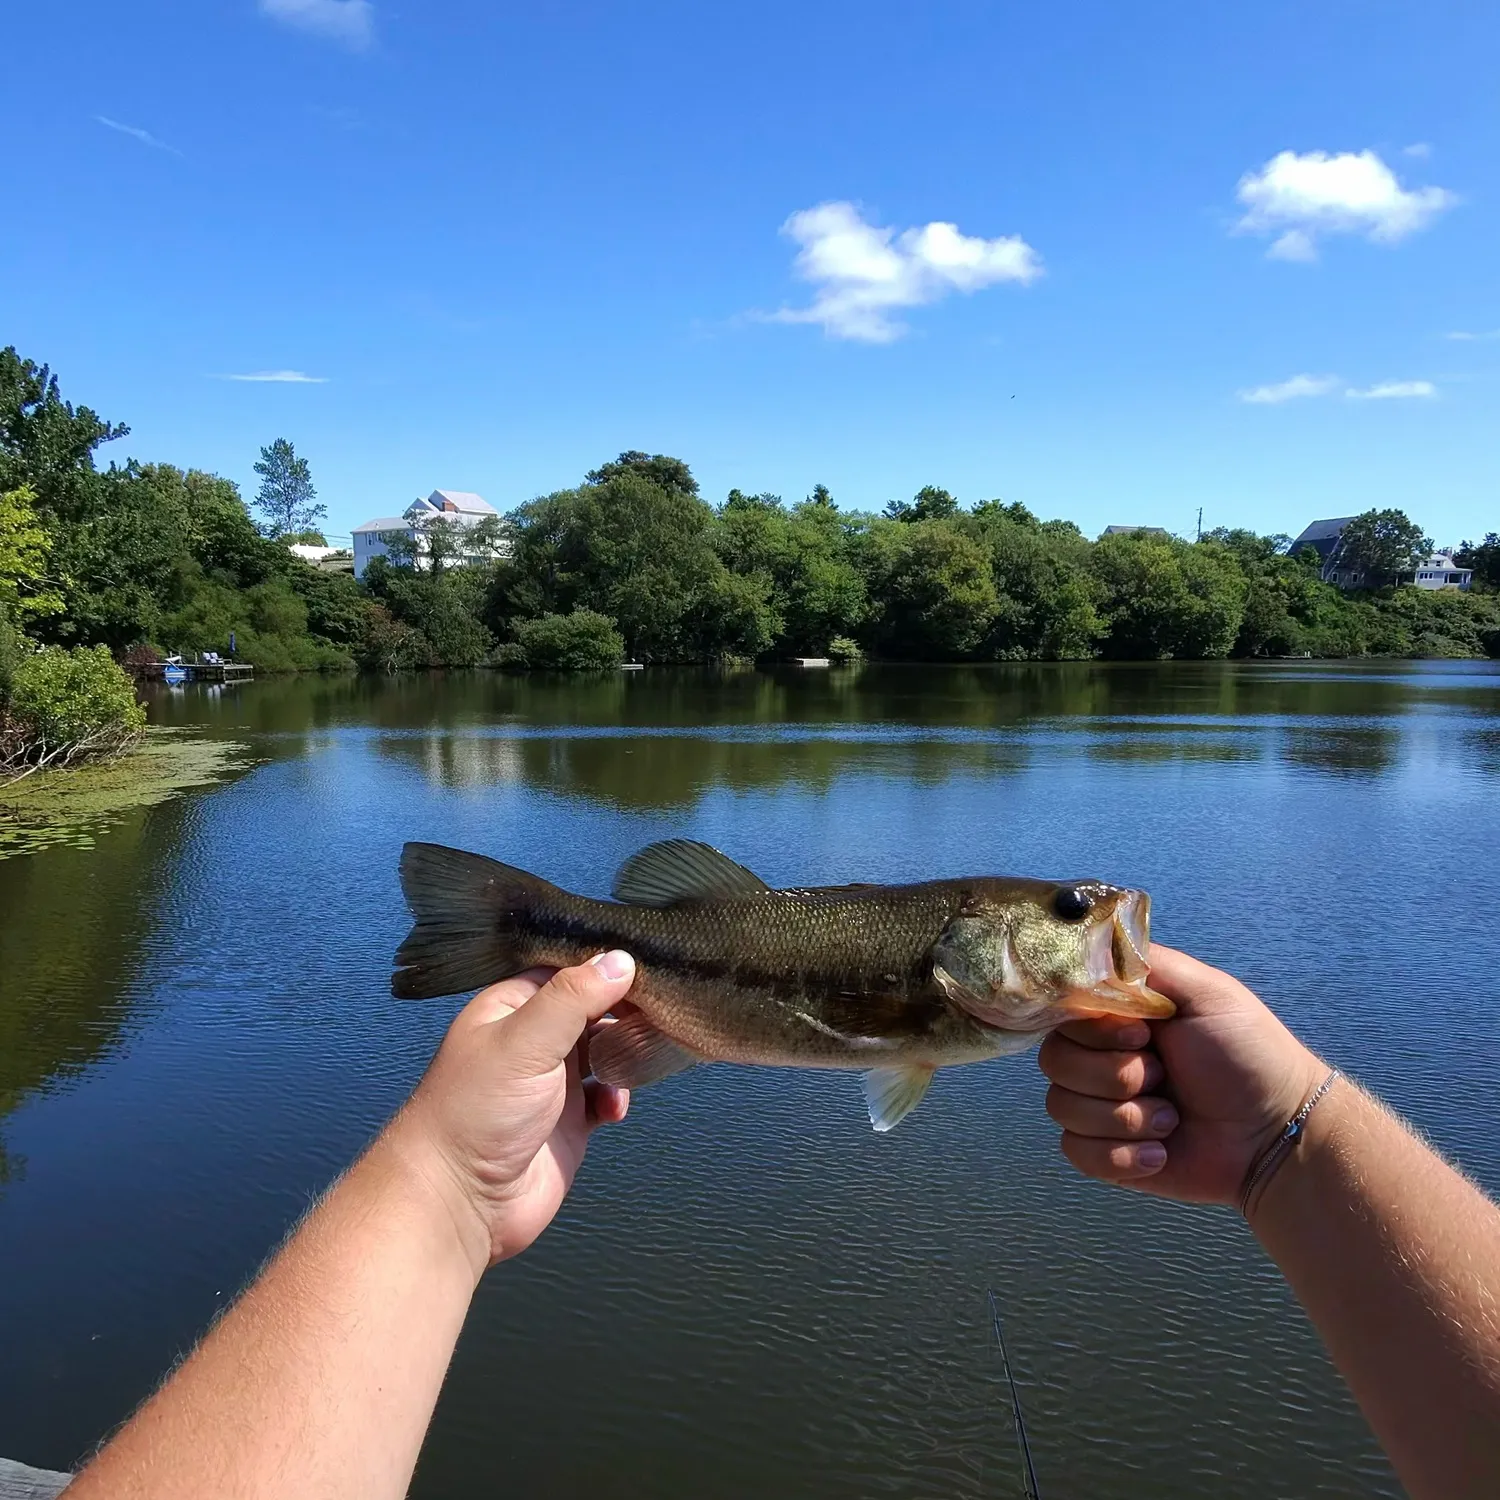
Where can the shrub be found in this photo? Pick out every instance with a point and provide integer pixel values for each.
(391, 645)
(140, 656)
(12, 645)
(579, 642)
(65, 706)
(841, 648)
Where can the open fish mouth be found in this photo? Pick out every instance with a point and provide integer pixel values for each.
(1118, 966)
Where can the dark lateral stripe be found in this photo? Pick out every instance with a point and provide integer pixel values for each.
(565, 928)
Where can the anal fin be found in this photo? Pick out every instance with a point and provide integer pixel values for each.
(632, 1053)
(892, 1093)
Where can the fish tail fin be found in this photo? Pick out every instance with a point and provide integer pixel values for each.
(469, 913)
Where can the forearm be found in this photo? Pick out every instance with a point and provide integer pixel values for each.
(321, 1380)
(1396, 1258)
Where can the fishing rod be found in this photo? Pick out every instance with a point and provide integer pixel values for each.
(1032, 1492)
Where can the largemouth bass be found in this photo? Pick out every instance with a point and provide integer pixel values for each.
(893, 980)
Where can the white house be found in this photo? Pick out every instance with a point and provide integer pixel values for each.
(461, 509)
(1326, 539)
(1441, 572)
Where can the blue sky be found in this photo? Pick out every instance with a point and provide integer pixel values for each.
(505, 242)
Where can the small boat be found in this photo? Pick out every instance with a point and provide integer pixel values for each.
(174, 672)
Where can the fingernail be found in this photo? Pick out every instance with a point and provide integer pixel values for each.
(1164, 1119)
(1152, 1155)
(615, 964)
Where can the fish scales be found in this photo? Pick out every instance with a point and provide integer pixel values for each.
(781, 977)
(894, 980)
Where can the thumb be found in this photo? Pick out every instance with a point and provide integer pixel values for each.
(1196, 988)
(549, 1025)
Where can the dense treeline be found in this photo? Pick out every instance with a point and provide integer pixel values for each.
(634, 563)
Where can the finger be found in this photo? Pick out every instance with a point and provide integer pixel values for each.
(1143, 1118)
(585, 1066)
(497, 1001)
(604, 1103)
(549, 1025)
(1113, 1161)
(1108, 1033)
(1105, 1075)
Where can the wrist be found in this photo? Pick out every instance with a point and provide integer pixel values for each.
(1284, 1191)
(426, 1169)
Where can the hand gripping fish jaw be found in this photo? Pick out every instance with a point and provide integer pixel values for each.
(1069, 950)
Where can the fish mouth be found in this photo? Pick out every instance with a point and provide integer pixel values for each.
(1118, 966)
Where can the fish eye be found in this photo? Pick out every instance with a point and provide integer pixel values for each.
(1071, 904)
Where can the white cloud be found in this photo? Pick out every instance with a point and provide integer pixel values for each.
(1420, 149)
(349, 21)
(1300, 386)
(279, 377)
(1474, 338)
(863, 273)
(136, 133)
(1299, 198)
(1291, 390)
(1393, 390)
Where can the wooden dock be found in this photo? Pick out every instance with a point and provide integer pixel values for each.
(198, 671)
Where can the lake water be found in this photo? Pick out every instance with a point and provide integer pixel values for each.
(749, 1293)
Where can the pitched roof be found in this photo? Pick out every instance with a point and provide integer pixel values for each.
(463, 500)
(1127, 530)
(384, 523)
(1322, 531)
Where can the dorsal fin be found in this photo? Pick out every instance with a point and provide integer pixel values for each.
(683, 870)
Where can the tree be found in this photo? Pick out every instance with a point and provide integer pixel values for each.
(998, 510)
(669, 474)
(1045, 605)
(929, 504)
(580, 642)
(1382, 544)
(811, 590)
(1252, 549)
(46, 442)
(639, 551)
(936, 596)
(821, 498)
(24, 550)
(1164, 598)
(1484, 559)
(286, 493)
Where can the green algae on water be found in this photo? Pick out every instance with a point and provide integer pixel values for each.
(73, 806)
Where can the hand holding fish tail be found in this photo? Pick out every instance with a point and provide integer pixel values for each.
(502, 1118)
(1179, 1108)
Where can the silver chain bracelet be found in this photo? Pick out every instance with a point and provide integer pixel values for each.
(1281, 1147)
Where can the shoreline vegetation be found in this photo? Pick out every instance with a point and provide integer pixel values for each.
(104, 569)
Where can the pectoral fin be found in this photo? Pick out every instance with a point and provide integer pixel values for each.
(632, 1053)
(892, 1093)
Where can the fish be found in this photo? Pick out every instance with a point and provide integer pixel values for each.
(894, 981)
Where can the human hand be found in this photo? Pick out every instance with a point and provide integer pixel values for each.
(500, 1122)
(1180, 1108)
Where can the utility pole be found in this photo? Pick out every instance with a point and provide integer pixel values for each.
(1200, 524)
